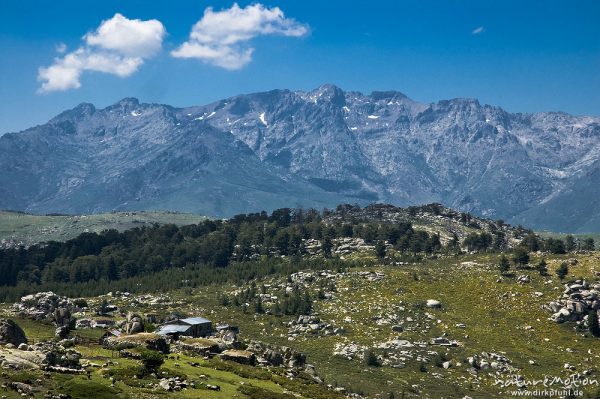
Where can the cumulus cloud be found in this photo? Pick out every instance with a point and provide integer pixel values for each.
(118, 46)
(221, 38)
(477, 31)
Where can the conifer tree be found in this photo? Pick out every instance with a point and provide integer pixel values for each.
(503, 264)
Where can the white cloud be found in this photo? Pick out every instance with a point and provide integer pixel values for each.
(61, 48)
(132, 37)
(119, 46)
(221, 38)
(478, 30)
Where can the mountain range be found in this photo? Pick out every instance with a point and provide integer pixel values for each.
(316, 148)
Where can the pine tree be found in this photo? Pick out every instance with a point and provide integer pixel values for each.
(380, 250)
(588, 244)
(520, 256)
(258, 307)
(562, 270)
(542, 267)
(326, 246)
(112, 272)
(503, 264)
(454, 242)
(277, 309)
(570, 244)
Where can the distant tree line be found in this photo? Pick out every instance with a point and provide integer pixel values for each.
(111, 256)
(250, 242)
(556, 245)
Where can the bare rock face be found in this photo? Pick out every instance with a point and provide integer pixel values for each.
(11, 333)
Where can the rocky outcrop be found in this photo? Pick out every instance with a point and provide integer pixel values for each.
(47, 306)
(348, 245)
(201, 346)
(239, 356)
(11, 333)
(134, 324)
(272, 355)
(349, 351)
(148, 340)
(312, 325)
(48, 355)
(578, 299)
(490, 360)
(173, 384)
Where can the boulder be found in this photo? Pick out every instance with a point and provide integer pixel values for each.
(62, 332)
(134, 324)
(62, 317)
(165, 384)
(433, 303)
(150, 341)
(239, 356)
(274, 357)
(11, 333)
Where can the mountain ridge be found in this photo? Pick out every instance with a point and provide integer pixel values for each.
(309, 148)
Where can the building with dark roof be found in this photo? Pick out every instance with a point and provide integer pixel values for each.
(189, 327)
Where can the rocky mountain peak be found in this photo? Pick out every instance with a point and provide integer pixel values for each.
(387, 95)
(79, 112)
(329, 93)
(315, 148)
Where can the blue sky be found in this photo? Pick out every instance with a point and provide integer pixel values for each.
(527, 56)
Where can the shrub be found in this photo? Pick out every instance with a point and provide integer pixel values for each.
(371, 359)
(80, 302)
(152, 360)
